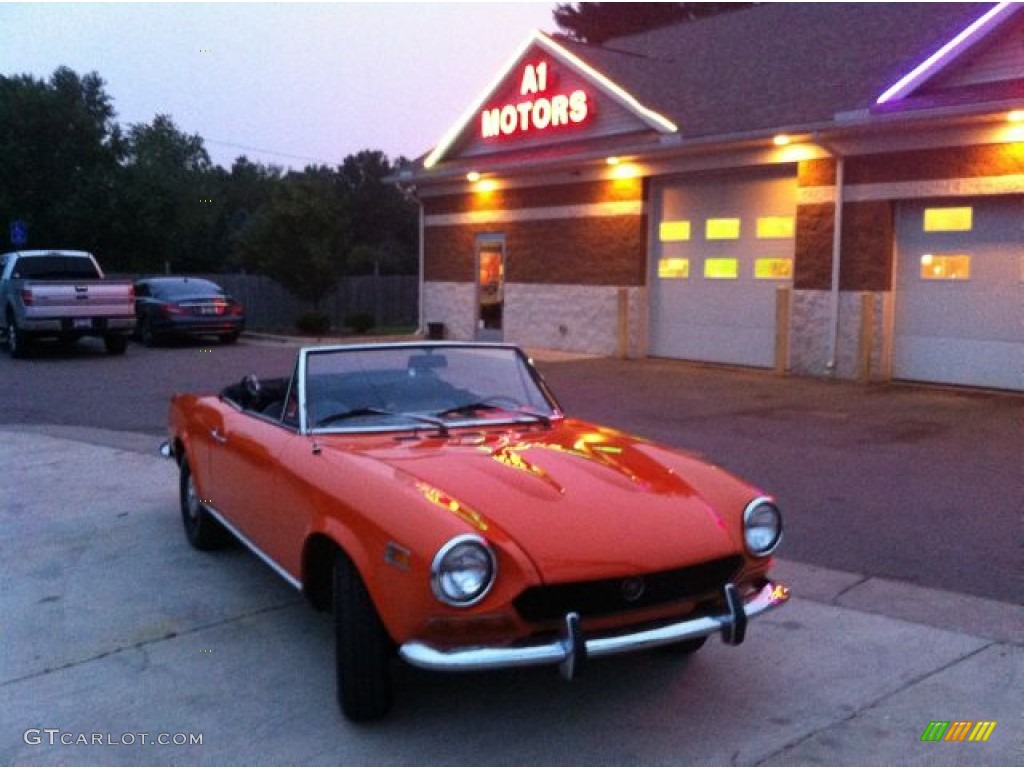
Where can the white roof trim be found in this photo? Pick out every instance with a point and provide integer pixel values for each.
(938, 60)
(653, 119)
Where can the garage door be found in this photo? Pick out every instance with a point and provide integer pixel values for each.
(723, 246)
(960, 293)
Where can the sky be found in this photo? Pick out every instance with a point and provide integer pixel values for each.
(306, 82)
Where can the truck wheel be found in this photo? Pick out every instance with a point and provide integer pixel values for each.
(201, 529)
(116, 345)
(17, 342)
(363, 650)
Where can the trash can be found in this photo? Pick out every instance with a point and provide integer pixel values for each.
(435, 331)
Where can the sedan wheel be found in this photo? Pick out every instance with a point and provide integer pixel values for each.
(146, 332)
(201, 529)
(363, 649)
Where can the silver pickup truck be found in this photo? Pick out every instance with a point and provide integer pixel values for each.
(62, 295)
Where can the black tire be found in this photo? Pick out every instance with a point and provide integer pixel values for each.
(685, 647)
(228, 338)
(146, 333)
(201, 529)
(363, 649)
(115, 344)
(18, 343)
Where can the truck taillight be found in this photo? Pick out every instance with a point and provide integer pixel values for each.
(235, 309)
(26, 297)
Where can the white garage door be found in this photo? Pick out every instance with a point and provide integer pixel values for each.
(722, 247)
(960, 293)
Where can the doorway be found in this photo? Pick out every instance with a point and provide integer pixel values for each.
(490, 287)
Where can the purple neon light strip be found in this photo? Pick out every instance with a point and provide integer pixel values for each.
(929, 65)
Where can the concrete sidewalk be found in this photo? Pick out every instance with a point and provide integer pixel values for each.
(112, 625)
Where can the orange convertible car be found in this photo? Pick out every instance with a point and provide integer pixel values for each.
(437, 500)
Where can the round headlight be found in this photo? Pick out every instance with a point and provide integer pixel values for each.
(463, 571)
(762, 526)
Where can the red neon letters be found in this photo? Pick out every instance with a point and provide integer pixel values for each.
(537, 114)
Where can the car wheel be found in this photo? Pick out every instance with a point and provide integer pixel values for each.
(228, 338)
(149, 338)
(686, 647)
(201, 529)
(17, 342)
(116, 345)
(363, 650)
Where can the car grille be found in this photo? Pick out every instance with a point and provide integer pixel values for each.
(609, 596)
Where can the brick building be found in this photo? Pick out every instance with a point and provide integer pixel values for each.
(828, 189)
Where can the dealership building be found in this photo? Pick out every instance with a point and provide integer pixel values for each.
(816, 188)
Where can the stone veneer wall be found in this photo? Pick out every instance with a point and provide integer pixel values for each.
(571, 318)
(810, 321)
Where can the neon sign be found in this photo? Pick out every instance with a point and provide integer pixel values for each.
(539, 113)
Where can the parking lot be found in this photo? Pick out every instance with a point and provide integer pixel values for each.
(896, 499)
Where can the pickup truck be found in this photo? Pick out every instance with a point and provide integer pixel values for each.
(62, 295)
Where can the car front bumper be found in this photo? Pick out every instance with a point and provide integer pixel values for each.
(573, 649)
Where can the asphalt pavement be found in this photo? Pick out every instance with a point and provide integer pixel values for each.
(117, 636)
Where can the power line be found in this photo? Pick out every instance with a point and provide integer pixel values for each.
(318, 160)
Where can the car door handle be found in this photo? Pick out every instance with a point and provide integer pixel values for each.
(222, 439)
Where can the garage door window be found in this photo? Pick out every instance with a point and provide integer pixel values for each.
(674, 231)
(722, 229)
(945, 267)
(773, 269)
(959, 219)
(721, 269)
(673, 268)
(774, 227)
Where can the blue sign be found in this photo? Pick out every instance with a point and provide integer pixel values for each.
(19, 232)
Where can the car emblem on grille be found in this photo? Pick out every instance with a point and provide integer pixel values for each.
(632, 589)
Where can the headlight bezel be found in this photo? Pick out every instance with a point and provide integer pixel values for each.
(758, 505)
(439, 572)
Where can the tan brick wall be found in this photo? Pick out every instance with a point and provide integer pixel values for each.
(535, 197)
(583, 250)
(867, 246)
(812, 268)
(598, 250)
(927, 164)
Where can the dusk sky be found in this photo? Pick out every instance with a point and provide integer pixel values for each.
(313, 82)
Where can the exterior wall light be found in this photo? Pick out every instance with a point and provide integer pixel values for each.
(781, 140)
(1016, 116)
(613, 160)
(473, 177)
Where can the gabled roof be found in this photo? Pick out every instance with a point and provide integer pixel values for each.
(781, 66)
(540, 42)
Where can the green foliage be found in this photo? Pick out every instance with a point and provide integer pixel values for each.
(597, 22)
(59, 154)
(300, 237)
(360, 322)
(149, 197)
(313, 322)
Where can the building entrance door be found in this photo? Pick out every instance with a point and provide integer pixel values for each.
(490, 287)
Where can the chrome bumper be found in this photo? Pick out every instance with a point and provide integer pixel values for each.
(573, 649)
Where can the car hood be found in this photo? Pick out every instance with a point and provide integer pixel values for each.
(579, 499)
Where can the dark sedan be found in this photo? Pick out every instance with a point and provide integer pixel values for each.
(185, 306)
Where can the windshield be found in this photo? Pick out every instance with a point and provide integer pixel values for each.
(403, 386)
(187, 289)
(56, 267)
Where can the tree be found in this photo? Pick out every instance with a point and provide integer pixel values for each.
(384, 220)
(170, 199)
(59, 153)
(301, 237)
(597, 22)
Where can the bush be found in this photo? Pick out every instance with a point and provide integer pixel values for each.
(313, 321)
(360, 322)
